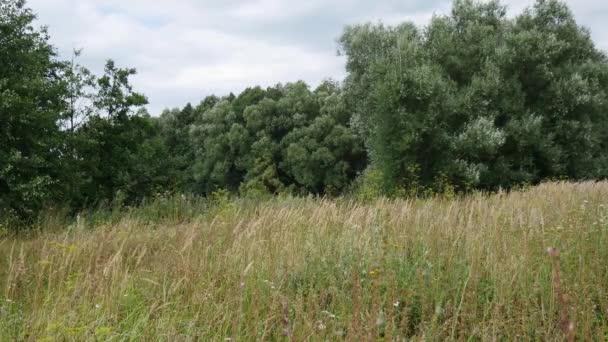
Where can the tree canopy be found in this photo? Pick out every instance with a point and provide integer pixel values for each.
(478, 98)
(32, 99)
(284, 138)
(475, 99)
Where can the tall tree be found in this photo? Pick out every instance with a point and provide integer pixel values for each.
(32, 100)
(478, 98)
(121, 152)
(115, 96)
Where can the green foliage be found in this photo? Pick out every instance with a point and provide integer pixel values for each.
(175, 131)
(321, 156)
(261, 180)
(270, 141)
(368, 186)
(480, 100)
(118, 155)
(31, 102)
(124, 155)
(67, 137)
(474, 100)
(219, 142)
(115, 95)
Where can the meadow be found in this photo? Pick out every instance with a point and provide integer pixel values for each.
(475, 267)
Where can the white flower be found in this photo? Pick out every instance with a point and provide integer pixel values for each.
(332, 316)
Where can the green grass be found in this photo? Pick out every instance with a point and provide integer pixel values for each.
(183, 269)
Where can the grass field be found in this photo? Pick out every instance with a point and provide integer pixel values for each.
(184, 269)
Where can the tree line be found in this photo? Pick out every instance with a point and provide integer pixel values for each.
(474, 100)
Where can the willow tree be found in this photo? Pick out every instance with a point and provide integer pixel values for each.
(479, 99)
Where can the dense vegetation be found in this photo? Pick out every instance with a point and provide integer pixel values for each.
(197, 224)
(282, 139)
(480, 100)
(474, 100)
(471, 268)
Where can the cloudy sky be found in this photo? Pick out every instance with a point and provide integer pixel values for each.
(185, 50)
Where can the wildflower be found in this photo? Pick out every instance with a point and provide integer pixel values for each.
(375, 272)
(396, 304)
(332, 316)
(97, 306)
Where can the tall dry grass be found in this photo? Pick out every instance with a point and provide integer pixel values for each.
(305, 269)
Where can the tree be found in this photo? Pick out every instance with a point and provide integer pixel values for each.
(325, 156)
(121, 153)
(175, 130)
(565, 82)
(115, 96)
(79, 82)
(479, 99)
(284, 138)
(32, 99)
(220, 143)
(401, 100)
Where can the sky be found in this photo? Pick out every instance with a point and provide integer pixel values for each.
(185, 50)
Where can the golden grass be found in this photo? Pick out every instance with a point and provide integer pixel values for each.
(305, 269)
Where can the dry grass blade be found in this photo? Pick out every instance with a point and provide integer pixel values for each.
(437, 269)
(565, 323)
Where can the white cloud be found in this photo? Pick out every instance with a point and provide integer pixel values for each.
(419, 18)
(187, 49)
(274, 9)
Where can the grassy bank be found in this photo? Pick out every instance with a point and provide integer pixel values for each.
(316, 269)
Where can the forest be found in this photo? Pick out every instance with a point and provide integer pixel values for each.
(475, 100)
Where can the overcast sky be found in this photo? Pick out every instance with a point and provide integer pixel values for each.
(185, 50)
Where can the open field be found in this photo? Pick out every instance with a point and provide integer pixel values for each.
(308, 269)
